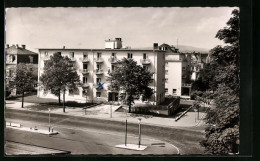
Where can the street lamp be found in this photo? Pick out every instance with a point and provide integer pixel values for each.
(139, 132)
(49, 109)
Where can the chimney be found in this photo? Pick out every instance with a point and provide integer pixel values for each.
(23, 46)
(7, 45)
(17, 46)
(63, 47)
(155, 46)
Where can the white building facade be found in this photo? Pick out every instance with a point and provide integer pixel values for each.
(93, 66)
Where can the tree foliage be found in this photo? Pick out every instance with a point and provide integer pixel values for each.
(133, 79)
(24, 80)
(222, 133)
(59, 76)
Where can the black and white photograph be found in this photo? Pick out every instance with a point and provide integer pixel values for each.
(122, 81)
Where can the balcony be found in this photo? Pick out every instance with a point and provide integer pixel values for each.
(98, 60)
(72, 59)
(99, 71)
(167, 58)
(186, 85)
(145, 61)
(85, 85)
(113, 60)
(84, 60)
(84, 71)
(45, 57)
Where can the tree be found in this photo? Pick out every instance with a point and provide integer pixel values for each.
(59, 76)
(222, 133)
(133, 79)
(24, 80)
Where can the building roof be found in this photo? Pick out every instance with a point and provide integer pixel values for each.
(142, 50)
(18, 51)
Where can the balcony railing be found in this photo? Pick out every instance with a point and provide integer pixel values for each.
(84, 60)
(98, 60)
(145, 61)
(112, 59)
(186, 85)
(99, 71)
(84, 71)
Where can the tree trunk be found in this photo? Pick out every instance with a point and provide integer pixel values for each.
(59, 99)
(64, 101)
(129, 103)
(22, 98)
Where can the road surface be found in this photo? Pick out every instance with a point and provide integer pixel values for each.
(94, 136)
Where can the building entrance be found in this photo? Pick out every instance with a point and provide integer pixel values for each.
(112, 96)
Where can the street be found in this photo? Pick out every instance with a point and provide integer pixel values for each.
(94, 136)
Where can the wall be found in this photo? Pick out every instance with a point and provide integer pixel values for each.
(174, 77)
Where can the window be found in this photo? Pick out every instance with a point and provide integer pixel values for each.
(98, 94)
(98, 55)
(113, 54)
(129, 55)
(72, 54)
(166, 79)
(84, 92)
(85, 55)
(11, 73)
(166, 90)
(145, 67)
(31, 59)
(144, 99)
(166, 71)
(98, 80)
(183, 68)
(59, 53)
(174, 91)
(144, 56)
(98, 66)
(112, 67)
(85, 80)
(11, 58)
(85, 66)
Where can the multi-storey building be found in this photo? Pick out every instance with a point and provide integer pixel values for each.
(176, 71)
(94, 65)
(15, 55)
(181, 69)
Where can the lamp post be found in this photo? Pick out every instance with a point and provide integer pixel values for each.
(195, 110)
(126, 127)
(49, 119)
(111, 109)
(139, 143)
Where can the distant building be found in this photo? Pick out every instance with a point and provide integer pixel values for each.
(15, 55)
(94, 65)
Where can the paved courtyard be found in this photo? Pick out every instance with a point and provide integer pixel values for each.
(104, 112)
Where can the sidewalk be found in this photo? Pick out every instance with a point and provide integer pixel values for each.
(104, 112)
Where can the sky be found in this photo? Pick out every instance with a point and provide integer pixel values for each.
(89, 27)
